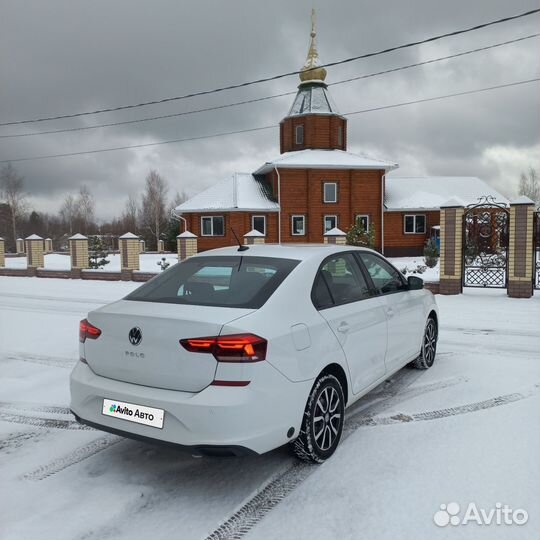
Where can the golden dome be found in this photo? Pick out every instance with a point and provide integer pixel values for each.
(311, 71)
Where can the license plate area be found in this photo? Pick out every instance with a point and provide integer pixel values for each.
(140, 414)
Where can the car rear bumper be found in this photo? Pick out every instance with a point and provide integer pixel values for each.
(213, 450)
(219, 420)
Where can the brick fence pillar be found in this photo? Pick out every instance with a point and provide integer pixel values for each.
(520, 248)
(335, 236)
(34, 252)
(161, 246)
(78, 250)
(130, 246)
(19, 248)
(2, 253)
(142, 246)
(186, 244)
(254, 237)
(48, 245)
(450, 262)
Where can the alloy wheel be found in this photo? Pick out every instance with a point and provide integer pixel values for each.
(327, 419)
(430, 342)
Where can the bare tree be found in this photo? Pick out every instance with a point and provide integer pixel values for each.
(85, 202)
(154, 205)
(12, 191)
(69, 211)
(129, 216)
(529, 184)
(178, 199)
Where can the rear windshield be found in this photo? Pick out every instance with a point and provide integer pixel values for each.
(241, 282)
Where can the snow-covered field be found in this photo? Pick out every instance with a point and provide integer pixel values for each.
(58, 261)
(149, 263)
(465, 431)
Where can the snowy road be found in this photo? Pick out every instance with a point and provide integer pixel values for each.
(465, 431)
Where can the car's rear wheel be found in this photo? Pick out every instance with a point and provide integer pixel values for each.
(322, 424)
(429, 346)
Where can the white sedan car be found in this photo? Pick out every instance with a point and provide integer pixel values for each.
(240, 351)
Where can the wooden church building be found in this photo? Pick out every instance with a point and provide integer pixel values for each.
(316, 184)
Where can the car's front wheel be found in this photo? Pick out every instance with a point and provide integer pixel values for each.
(429, 346)
(322, 424)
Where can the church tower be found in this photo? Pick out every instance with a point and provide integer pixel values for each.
(313, 121)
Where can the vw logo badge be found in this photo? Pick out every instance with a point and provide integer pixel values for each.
(135, 335)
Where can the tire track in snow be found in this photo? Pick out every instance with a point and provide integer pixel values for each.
(394, 398)
(401, 418)
(469, 331)
(16, 440)
(79, 454)
(23, 407)
(36, 421)
(256, 508)
(40, 359)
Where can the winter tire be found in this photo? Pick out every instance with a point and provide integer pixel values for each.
(429, 346)
(322, 424)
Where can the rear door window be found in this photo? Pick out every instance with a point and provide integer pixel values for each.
(385, 277)
(242, 281)
(339, 281)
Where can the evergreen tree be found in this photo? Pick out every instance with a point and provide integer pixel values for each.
(97, 252)
(358, 236)
(431, 253)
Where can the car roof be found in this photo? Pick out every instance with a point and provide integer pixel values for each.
(284, 251)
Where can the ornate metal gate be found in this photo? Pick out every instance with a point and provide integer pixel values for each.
(536, 252)
(485, 244)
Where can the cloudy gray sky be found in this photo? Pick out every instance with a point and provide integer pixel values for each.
(59, 57)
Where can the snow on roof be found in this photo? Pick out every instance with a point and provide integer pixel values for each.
(34, 237)
(253, 233)
(78, 236)
(240, 192)
(432, 192)
(187, 234)
(325, 159)
(335, 232)
(453, 202)
(522, 199)
(129, 236)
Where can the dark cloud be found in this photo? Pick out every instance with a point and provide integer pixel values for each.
(63, 56)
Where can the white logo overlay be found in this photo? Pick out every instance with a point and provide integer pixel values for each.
(500, 514)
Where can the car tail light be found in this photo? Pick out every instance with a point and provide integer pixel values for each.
(233, 348)
(88, 331)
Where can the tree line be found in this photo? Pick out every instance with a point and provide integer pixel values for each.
(147, 214)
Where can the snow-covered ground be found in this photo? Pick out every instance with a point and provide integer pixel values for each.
(149, 263)
(58, 261)
(465, 431)
(415, 266)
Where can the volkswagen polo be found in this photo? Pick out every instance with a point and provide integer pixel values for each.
(238, 351)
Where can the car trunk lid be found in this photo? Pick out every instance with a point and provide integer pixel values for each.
(139, 343)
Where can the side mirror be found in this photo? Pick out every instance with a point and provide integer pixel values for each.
(415, 283)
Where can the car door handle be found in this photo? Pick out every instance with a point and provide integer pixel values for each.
(390, 312)
(343, 327)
